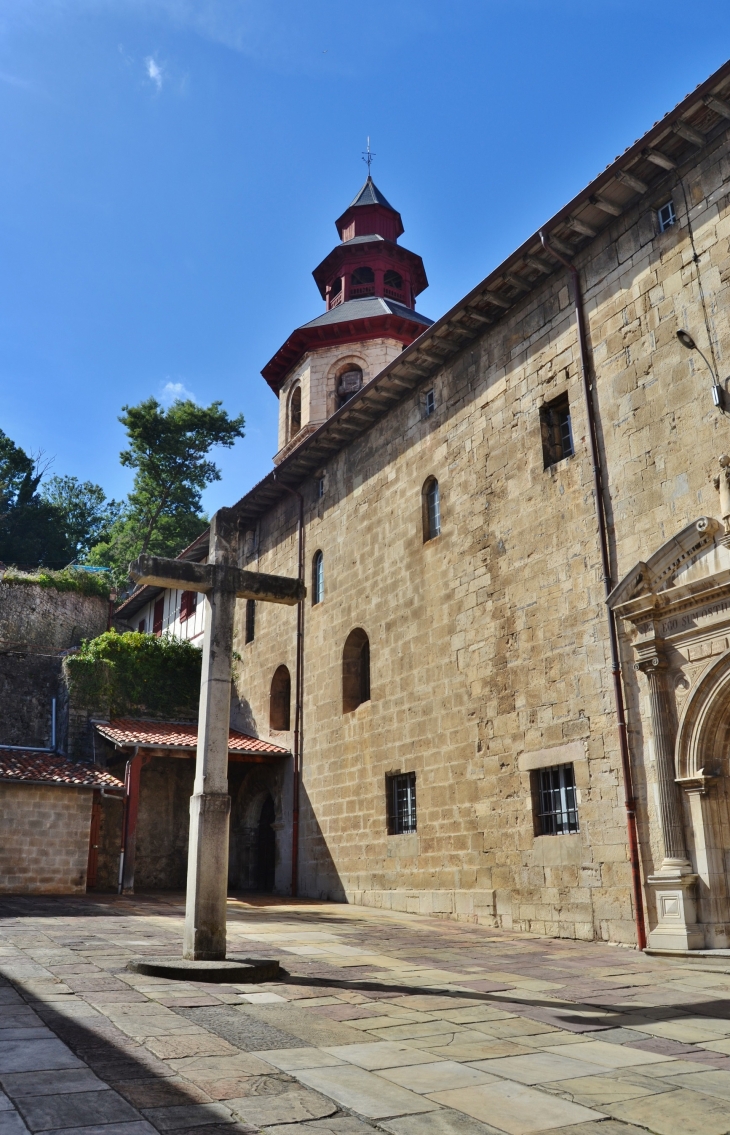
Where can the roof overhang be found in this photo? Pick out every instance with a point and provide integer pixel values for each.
(334, 334)
(343, 254)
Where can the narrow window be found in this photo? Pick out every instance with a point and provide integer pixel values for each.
(320, 488)
(317, 578)
(295, 412)
(666, 217)
(555, 800)
(188, 603)
(159, 614)
(279, 701)
(393, 281)
(142, 626)
(429, 404)
(250, 620)
(401, 803)
(431, 509)
(355, 670)
(556, 430)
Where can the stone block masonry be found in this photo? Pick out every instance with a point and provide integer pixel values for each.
(489, 657)
(44, 839)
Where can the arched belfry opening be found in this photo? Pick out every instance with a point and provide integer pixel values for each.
(349, 381)
(295, 411)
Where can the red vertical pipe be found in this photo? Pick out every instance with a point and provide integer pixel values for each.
(298, 697)
(618, 693)
(134, 769)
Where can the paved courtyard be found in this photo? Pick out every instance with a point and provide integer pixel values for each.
(382, 1022)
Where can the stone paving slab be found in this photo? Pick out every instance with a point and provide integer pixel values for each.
(363, 1092)
(515, 1108)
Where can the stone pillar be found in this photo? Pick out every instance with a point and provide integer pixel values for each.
(674, 884)
(210, 804)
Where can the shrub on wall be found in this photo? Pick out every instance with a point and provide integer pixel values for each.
(136, 674)
(69, 579)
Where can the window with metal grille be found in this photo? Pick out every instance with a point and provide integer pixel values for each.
(250, 620)
(317, 578)
(666, 217)
(431, 509)
(188, 603)
(557, 806)
(401, 802)
(429, 404)
(556, 430)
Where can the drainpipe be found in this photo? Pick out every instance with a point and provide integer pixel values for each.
(298, 697)
(125, 818)
(600, 499)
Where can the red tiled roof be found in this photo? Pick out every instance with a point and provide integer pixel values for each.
(126, 731)
(27, 767)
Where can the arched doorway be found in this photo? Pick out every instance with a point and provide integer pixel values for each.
(266, 848)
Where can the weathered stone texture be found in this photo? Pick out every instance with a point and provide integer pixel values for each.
(44, 839)
(41, 617)
(490, 642)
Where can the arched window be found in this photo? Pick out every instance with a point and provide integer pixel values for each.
(431, 509)
(393, 280)
(279, 701)
(295, 411)
(363, 276)
(355, 670)
(317, 578)
(348, 383)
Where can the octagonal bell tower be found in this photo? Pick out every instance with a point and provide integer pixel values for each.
(369, 284)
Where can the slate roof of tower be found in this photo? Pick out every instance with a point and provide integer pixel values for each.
(370, 195)
(367, 308)
(28, 767)
(127, 731)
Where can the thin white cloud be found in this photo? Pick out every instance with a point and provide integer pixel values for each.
(174, 391)
(154, 71)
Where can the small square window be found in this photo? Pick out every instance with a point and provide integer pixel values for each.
(429, 404)
(557, 431)
(554, 800)
(666, 216)
(401, 803)
(250, 620)
(320, 488)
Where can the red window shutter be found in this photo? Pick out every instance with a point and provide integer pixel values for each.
(158, 616)
(142, 626)
(188, 603)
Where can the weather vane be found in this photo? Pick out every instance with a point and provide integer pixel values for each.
(367, 156)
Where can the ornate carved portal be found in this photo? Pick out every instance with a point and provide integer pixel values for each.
(676, 611)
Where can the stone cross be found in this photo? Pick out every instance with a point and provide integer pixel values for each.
(222, 582)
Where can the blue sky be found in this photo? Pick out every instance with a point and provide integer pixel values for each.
(172, 170)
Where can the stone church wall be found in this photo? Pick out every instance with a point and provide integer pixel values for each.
(488, 644)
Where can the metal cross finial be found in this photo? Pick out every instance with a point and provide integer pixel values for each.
(367, 156)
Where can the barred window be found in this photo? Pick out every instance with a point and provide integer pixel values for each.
(431, 509)
(401, 803)
(250, 620)
(557, 807)
(317, 578)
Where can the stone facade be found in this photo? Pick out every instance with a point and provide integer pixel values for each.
(44, 839)
(489, 650)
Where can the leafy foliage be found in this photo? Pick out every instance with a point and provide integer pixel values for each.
(51, 527)
(168, 449)
(137, 673)
(69, 579)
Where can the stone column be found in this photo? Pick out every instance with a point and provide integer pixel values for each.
(210, 804)
(674, 884)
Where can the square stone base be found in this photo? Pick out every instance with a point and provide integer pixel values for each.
(677, 927)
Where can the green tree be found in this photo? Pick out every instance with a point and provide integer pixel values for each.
(82, 508)
(169, 451)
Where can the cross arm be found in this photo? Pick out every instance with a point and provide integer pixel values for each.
(157, 571)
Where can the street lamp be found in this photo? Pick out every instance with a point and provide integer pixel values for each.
(687, 341)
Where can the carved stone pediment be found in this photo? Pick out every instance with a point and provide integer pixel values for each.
(663, 568)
